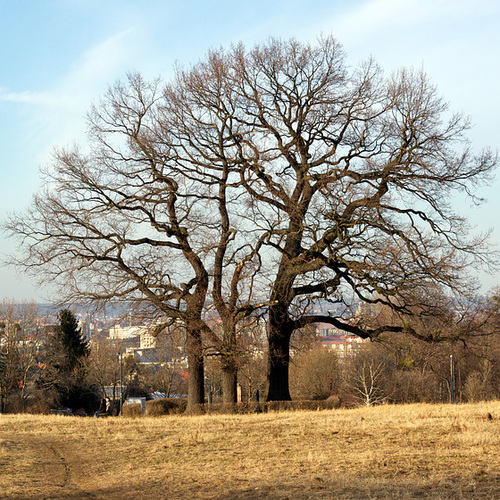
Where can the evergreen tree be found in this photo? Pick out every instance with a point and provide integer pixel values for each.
(69, 337)
(66, 371)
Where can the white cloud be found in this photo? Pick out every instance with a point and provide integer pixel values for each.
(54, 117)
(357, 26)
(57, 115)
(24, 97)
(361, 26)
(89, 73)
(98, 65)
(88, 78)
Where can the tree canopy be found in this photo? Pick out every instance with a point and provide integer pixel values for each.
(263, 180)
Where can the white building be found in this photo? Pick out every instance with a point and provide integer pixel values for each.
(148, 341)
(127, 332)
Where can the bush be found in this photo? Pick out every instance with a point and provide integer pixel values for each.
(227, 408)
(133, 410)
(307, 405)
(333, 402)
(42, 402)
(165, 406)
(315, 374)
(174, 406)
(233, 408)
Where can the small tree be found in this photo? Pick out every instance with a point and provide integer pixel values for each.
(66, 368)
(365, 375)
(70, 338)
(169, 354)
(315, 374)
(20, 342)
(104, 365)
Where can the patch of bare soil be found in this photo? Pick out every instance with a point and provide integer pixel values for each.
(42, 469)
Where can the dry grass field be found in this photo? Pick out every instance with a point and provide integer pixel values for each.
(414, 451)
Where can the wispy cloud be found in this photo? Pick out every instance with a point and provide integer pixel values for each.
(99, 65)
(24, 97)
(56, 116)
(392, 18)
(378, 17)
(96, 68)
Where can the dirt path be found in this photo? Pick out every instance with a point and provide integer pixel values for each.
(42, 469)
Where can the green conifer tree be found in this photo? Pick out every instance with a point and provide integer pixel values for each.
(70, 338)
(66, 370)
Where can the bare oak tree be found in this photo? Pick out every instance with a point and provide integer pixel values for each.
(351, 175)
(143, 217)
(109, 224)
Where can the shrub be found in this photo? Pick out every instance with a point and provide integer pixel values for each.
(165, 406)
(133, 410)
(315, 374)
(307, 405)
(233, 408)
(333, 402)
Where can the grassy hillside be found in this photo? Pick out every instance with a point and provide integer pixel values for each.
(413, 451)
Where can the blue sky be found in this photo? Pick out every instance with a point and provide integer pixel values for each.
(57, 56)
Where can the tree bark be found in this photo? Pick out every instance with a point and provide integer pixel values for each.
(278, 362)
(196, 373)
(229, 379)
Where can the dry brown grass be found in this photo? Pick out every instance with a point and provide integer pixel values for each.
(414, 451)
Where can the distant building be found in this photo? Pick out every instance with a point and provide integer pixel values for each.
(344, 345)
(127, 332)
(144, 356)
(147, 341)
(334, 338)
(327, 330)
(85, 329)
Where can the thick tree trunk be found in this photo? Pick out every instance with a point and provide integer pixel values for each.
(196, 375)
(229, 379)
(278, 362)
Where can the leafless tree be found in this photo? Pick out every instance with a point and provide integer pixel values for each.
(20, 343)
(364, 379)
(416, 371)
(351, 175)
(112, 223)
(169, 353)
(103, 365)
(143, 217)
(198, 127)
(315, 373)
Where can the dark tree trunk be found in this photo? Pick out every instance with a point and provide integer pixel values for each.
(279, 360)
(196, 375)
(229, 379)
